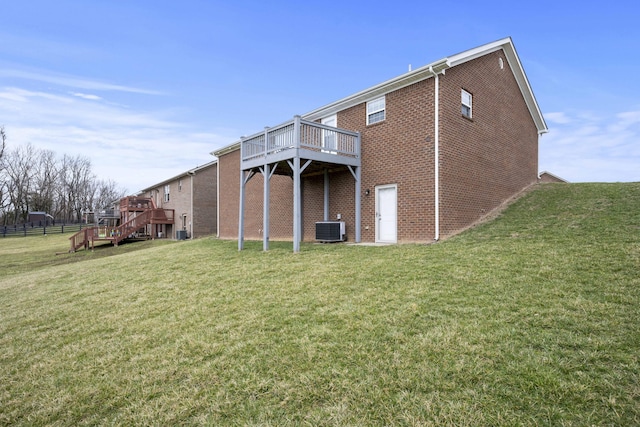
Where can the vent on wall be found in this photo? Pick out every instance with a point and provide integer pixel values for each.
(330, 231)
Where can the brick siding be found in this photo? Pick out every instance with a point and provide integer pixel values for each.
(483, 161)
(205, 190)
(203, 219)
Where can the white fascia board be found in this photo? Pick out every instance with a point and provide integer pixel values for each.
(424, 73)
(202, 167)
(177, 177)
(383, 88)
(428, 71)
(477, 52)
(506, 45)
(550, 174)
(226, 150)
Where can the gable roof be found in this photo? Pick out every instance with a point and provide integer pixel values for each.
(509, 50)
(543, 173)
(426, 72)
(438, 66)
(182, 175)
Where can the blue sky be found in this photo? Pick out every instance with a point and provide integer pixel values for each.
(147, 89)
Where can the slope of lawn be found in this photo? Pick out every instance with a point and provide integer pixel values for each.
(531, 319)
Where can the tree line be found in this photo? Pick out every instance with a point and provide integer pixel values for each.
(37, 180)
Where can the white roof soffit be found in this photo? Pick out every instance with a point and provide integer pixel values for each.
(396, 83)
(226, 149)
(428, 71)
(510, 53)
(182, 175)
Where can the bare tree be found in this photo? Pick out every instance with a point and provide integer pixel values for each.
(19, 169)
(77, 188)
(3, 143)
(4, 193)
(38, 180)
(44, 181)
(107, 192)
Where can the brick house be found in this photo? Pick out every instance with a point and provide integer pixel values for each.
(413, 159)
(193, 197)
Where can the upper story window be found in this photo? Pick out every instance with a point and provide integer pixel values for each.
(376, 110)
(166, 193)
(179, 186)
(467, 108)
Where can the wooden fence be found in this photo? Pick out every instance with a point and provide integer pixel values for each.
(26, 230)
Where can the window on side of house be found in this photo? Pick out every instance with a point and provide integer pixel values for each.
(179, 186)
(467, 104)
(376, 110)
(166, 193)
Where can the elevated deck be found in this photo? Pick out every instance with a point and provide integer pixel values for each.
(135, 214)
(295, 148)
(309, 141)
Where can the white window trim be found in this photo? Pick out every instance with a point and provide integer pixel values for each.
(464, 95)
(167, 190)
(373, 107)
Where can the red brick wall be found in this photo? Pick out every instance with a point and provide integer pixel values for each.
(281, 209)
(203, 218)
(205, 187)
(491, 157)
(398, 150)
(228, 196)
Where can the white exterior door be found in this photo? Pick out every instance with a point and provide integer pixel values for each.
(386, 214)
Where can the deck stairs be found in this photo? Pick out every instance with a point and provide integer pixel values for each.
(137, 213)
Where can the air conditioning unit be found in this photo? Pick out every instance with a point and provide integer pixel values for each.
(181, 234)
(330, 231)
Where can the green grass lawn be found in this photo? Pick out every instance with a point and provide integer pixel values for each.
(531, 319)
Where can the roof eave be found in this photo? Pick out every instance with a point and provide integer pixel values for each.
(182, 175)
(424, 73)
(226, 150)
(507, 46)
(383, 88)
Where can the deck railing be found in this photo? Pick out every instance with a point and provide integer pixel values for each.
(121, 232)
(79, 239)
(301, 134)
(162, 216)
(136, 203)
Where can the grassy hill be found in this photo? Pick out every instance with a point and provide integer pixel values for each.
(531, 319)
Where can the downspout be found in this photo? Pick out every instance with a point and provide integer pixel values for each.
(436, 155)
(191, 217)
(218, 199)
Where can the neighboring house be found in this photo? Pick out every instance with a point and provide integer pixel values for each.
(40, 219)
(193, 197)
(412, 159)
(546, 177)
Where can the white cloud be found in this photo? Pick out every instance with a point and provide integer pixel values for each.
(86, 96)
(625, 121)
(587, 147)
(72, 81)
(557, 117)
(134, 148)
